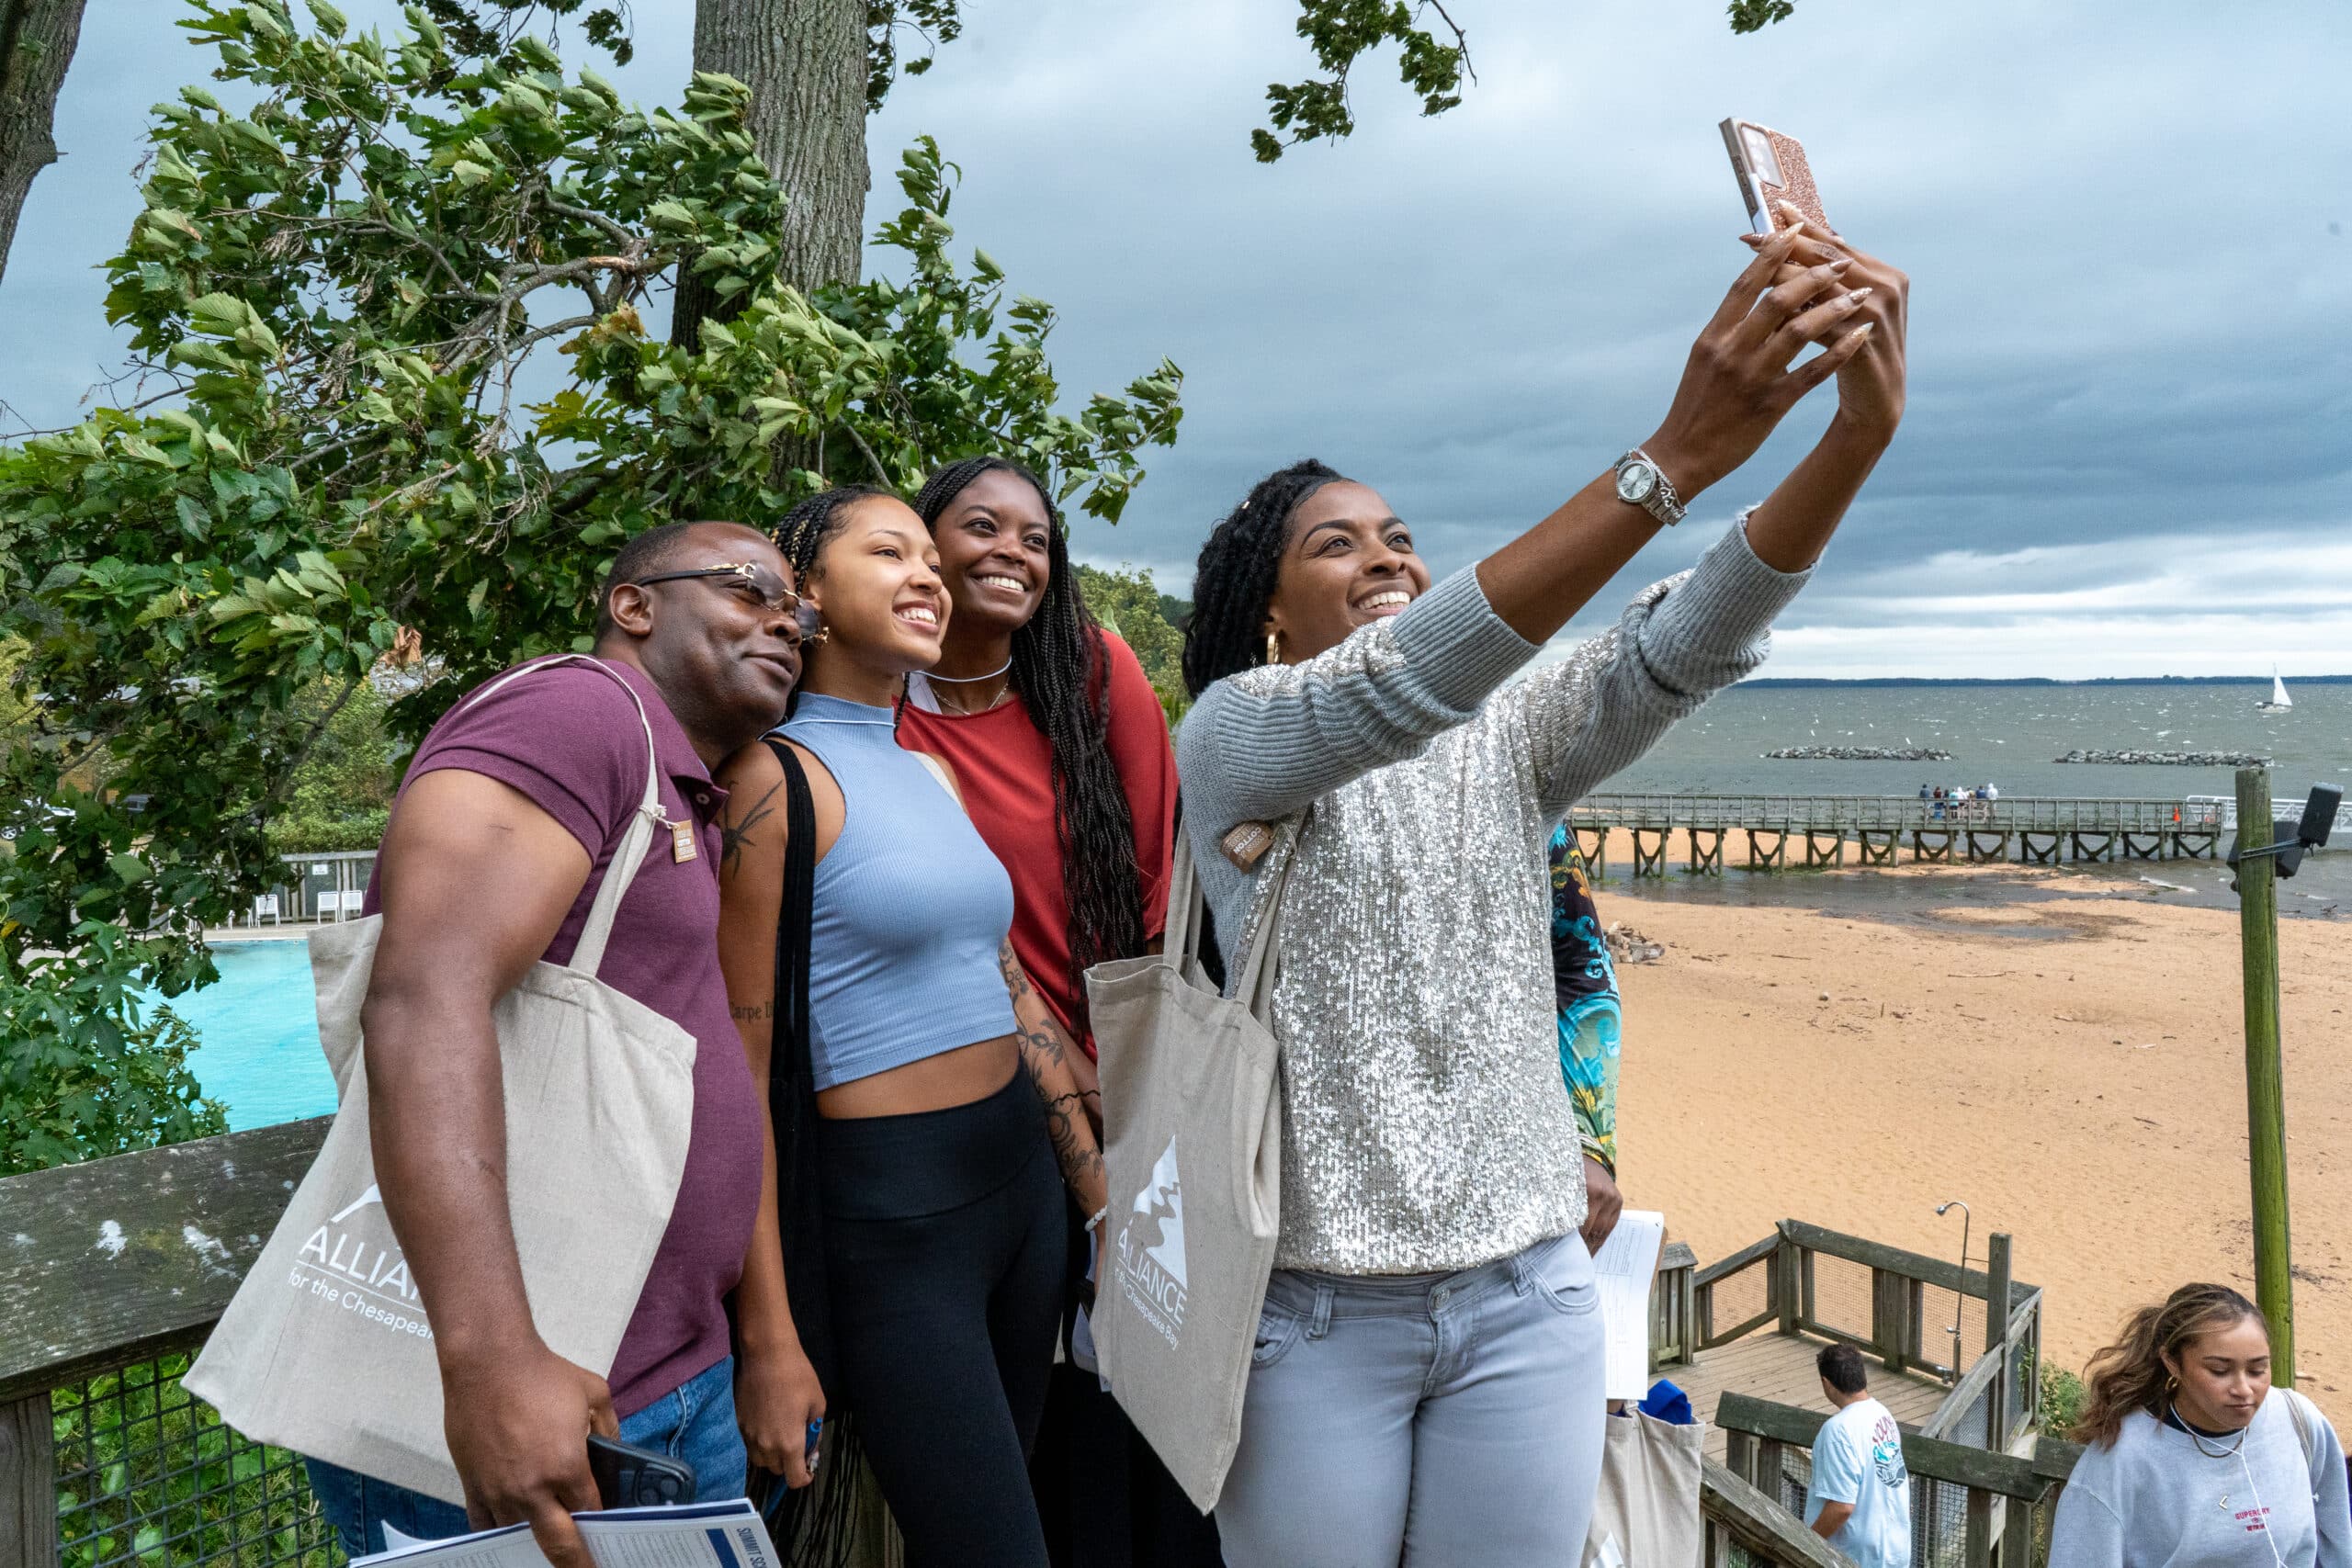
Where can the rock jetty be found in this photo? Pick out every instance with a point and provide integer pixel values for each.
(1857, 754)
(2171, 759)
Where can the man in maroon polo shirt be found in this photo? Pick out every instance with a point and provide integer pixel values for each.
(503, 829)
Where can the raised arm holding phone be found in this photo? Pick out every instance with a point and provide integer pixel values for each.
(1429, 1366)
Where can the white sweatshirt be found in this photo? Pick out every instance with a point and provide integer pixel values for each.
(2153, 1500)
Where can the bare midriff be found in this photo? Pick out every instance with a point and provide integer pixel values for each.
(953, 1077)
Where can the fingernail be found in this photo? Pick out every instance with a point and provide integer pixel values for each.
(1841, 265)
(1858, 295)
(1791, 208)
(1865, 328)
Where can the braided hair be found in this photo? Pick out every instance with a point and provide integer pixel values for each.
(1235, 580)
(1062, 675)
(801, 539)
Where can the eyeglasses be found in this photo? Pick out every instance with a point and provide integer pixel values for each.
(755, 582)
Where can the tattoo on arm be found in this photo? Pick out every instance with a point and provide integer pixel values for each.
(1045, 1054)
(746, 1012)
(733, 835)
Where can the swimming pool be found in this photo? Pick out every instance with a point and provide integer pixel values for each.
(257, 1033)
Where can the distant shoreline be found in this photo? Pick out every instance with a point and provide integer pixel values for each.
(1794, 683)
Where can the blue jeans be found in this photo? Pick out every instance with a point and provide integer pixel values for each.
(1422, 1420)
(694, 1422)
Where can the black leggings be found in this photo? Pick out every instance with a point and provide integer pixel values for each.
(944, 1248)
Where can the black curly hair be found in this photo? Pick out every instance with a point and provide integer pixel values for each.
(1235, 579)
(1062, 675)
(801, 538)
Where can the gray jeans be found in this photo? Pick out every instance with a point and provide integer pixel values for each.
(1431, 1418)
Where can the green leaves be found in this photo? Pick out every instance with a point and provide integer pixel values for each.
(346, 282)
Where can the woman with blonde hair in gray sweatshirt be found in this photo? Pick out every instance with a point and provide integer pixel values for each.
(1427, 1385)
(2193, 1460)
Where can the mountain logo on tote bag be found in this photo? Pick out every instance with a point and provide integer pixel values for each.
(1151, 1273)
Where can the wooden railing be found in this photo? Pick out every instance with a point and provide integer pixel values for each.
(1993, 1400)
(2000, 1497)
(113, 1271)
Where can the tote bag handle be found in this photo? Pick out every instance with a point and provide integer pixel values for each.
(1188, 901)
(588, 956)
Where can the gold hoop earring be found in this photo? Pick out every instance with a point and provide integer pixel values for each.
(1273, 647)
(822, 634)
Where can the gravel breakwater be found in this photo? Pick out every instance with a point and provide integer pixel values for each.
(2170, 759)
(1857, 754)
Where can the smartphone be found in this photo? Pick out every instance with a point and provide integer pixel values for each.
(1771, 168)
(630, 1477)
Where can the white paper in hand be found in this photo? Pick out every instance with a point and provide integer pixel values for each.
(1623, 1270)
(695, 1534)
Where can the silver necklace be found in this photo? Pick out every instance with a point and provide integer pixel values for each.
(969, 680)
(2198, 1437)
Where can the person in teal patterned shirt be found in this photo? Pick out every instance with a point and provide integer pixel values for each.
(1585, 982)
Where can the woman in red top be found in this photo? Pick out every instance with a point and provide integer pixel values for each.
(1062, 749)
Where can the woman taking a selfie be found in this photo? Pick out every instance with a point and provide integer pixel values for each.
(1428, 1381)
(2192, 1459)
(1060, 746)
(941, 1241)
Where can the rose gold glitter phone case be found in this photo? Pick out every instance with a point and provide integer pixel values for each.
(1771, 168)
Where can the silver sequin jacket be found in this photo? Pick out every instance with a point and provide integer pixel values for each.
(1425, 1127)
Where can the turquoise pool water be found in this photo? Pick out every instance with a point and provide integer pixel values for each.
(258, 1035)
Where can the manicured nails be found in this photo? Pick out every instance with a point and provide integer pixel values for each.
(1858, 295)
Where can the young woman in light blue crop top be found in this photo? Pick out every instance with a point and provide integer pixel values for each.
(948, 1118)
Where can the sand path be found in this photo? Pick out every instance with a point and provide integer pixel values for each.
(2073, 1069)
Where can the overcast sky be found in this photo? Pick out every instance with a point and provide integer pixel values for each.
(2129, 449)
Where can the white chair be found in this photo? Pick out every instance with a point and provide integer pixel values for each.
(329, 902)
(266, 904)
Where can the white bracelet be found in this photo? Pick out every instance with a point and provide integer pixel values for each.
(1099, 1216)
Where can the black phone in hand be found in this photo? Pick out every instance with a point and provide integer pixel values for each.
(630, 1477)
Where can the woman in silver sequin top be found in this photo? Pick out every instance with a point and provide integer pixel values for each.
(1429, 1370)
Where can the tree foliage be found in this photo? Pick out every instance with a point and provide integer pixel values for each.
(338, 292)
(1127, 603)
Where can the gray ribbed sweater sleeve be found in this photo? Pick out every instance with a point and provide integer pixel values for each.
(1681, 642)
(1265, 743)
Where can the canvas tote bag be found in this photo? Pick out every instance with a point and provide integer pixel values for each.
(325, 1349)
(1191, 1109)
(1647, 1513)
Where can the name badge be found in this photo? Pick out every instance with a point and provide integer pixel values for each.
(681, 842)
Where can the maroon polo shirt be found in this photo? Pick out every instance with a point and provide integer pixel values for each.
(569, 739)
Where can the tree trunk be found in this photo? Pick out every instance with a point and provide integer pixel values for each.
(37, 40)
(805, 62)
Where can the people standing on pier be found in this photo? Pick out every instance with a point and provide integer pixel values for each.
(2192, 1458)
(501, 836)
(1430, 1370)
(1859, 1499)
(940, 1088)
(1584, 988)
(1061, 747)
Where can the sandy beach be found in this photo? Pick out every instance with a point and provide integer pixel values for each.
(2071, 1064)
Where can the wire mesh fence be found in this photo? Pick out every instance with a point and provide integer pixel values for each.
(1940, 1311)
(147, 1475)
(1741, 1295)
(1837, 1294)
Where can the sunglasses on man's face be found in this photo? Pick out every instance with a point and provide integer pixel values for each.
(755, 584)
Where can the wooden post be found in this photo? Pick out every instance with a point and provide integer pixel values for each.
(1996, 1308)
(2266, 1097)
(28, 1485)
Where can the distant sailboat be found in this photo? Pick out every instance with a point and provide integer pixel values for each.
(2279, 701)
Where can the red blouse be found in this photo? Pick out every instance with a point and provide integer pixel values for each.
(1005, 765)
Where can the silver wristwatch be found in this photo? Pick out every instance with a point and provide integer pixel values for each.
(1640, 482)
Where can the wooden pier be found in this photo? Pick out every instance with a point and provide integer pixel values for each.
(1831, 831)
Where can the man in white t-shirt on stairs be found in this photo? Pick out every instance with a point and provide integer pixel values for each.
(1860, 1501)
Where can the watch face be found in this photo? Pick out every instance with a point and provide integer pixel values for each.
(1636, 481)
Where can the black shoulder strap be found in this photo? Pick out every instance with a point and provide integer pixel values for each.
(796, 913)
(812, 1526)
